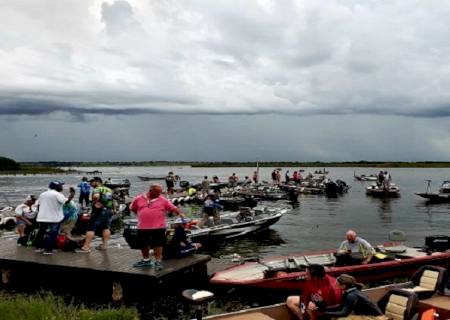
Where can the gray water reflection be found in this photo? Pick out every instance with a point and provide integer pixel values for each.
(317, 222)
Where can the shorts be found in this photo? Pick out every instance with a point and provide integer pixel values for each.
(210, 211)
(100, 221)
(20, 221)
(151, 237)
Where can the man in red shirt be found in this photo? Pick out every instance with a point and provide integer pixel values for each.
(151, 209)
(320, 291)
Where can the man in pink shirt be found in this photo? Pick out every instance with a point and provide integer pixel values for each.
(151, 209)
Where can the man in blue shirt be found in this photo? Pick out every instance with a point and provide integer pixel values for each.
(85, 191)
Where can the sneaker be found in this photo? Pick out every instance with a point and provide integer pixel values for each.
(39, 250)
(47, 253)
(158, 266)
(144, 264)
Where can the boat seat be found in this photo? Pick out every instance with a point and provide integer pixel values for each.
(398, 304)
(397, 236)
(427, 281)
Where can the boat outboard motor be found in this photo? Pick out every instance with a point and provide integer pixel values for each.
(184, 184)
(293, 195)
(245, 214)
(439, 243)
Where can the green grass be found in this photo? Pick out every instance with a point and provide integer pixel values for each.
(46, 306)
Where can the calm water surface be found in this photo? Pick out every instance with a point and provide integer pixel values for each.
(318, 222)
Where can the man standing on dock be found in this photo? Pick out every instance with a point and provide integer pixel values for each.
(101, 216)
(50, 215)
(151, 209)
(85, 191)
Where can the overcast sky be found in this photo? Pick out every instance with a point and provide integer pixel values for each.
(225, 80)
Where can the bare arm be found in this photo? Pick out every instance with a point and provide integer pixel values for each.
(71, 194)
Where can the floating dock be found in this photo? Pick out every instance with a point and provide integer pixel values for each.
(110, 270)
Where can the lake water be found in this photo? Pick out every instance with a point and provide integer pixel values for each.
(318, 222)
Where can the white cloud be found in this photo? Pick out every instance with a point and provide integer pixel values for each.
(290, 57)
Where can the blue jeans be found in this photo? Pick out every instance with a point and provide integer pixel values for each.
(49, 229)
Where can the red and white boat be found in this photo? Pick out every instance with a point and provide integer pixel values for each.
(287, 272)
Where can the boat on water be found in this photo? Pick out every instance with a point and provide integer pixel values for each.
(381, 191)
(7, 217)
(439, 302)
(335, 188)
(232, 225)
(263, 192)
(288, 272)
(117, 183)
(151, 177)
(233, 203)
(324, 171)
(442, 196)
(365, 177)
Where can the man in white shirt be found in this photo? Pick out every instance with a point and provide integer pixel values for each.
(50, 215)
(356, 245)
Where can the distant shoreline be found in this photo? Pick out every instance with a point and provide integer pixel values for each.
(54, 167)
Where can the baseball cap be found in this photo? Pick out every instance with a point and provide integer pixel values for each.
(182, 220)
(55, 184)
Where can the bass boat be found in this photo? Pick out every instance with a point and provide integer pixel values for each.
(442, 196)
(288, 272)
(364, 177)
(376, 190)
(232, 225)
(439, 304)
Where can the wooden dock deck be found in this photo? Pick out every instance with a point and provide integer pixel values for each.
(112, 268)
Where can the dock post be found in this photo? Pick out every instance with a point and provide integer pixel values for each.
(6, 275)
(117, 292)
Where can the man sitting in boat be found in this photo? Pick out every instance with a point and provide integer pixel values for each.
(354, 250)
(211, 208)
(356, 306)
(320, 291)
(26, 219)
(180, 246)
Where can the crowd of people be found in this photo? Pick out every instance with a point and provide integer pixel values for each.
(40, 220)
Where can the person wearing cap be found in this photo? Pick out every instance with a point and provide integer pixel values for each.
(357, 250)
(211, 208)
(355, 303)
(180, 246)
(26, 213)
(50, 215)
(101, 216)
(85, 191)
(170, 182)
(151, 209)
(320, 290)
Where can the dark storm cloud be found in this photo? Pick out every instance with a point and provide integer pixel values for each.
(119, 106)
